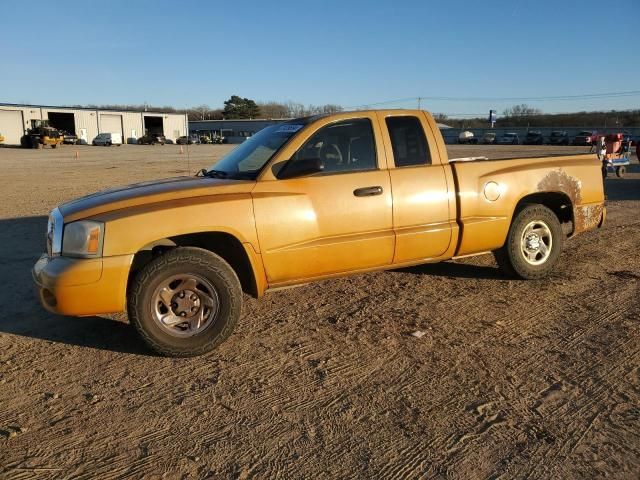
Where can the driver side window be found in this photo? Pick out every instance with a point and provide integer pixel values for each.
(344, 146)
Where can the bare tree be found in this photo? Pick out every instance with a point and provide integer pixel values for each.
(522, 110)
(273, 110)
(440, 118)
(201, 111)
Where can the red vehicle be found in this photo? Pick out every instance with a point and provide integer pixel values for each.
(585, 137)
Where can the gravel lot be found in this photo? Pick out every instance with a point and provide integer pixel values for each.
(512, 379)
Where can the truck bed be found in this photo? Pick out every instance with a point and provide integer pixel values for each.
(500, 152)
(489, 190)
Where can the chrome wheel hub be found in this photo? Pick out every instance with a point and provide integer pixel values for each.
(185, 305)
(536, 242)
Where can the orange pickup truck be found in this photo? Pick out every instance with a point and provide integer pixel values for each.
(309, 199)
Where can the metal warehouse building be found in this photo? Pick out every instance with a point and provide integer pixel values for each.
(87, 123)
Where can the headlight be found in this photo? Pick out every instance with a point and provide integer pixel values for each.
(83, 239)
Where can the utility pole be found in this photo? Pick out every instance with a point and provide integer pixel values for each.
(419, 102)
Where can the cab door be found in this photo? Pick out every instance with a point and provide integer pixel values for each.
(333, 221)
(423, 218)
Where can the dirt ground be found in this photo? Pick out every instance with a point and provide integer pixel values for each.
(512, 379)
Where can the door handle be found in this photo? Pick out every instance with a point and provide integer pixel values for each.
(368, 191)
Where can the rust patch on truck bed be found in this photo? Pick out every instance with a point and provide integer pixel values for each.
(584, 217)
(560, 181)
(587, 217)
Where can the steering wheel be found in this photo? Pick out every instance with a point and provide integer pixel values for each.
(330, 152)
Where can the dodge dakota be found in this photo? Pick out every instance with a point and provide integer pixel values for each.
(307, 199)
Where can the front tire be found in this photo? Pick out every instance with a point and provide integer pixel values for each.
(533, 244)
(185, 302)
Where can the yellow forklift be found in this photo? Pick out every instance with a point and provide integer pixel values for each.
(40, 135)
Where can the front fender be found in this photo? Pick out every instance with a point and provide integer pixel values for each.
(129, 230)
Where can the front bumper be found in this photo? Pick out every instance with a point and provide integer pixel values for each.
(80, 287)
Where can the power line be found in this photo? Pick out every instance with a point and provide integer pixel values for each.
(586, 96)
(532, 114)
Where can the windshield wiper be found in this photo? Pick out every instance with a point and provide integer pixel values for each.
(212, 173)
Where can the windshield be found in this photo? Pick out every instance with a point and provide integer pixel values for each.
(557, 134)
(247, 159)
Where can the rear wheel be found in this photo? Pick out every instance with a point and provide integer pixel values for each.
(533, 244)
(185, 302)
(620, 171)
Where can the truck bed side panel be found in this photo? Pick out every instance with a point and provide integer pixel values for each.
(488, 192)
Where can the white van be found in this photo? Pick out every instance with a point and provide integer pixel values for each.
(108, 139)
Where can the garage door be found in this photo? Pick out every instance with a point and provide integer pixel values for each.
(11, 126)
(110, 123)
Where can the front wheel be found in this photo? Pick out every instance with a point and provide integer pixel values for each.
(185, 302)
(533, 244)
(620, 171)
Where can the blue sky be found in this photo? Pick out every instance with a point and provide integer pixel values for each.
(347, 52)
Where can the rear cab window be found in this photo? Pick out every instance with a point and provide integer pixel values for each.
(408, 141)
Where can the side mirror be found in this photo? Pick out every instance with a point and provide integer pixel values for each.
(300, 167)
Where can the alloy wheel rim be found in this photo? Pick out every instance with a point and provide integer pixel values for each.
(185, 305)
(536, 242)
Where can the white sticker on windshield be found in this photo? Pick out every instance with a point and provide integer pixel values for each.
(289, 128)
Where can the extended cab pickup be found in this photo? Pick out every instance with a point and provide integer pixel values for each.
(309, 199)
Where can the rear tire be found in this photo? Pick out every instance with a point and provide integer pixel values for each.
(156, 302)
(533, 244)
(620, 171)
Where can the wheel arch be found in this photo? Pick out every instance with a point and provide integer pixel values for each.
(240, 256)
(558, 202)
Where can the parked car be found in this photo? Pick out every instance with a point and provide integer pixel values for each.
(533, 138)
(489, 138)
(152, 139)
(585, 137)
(108, 139)
(184, 140)
(509, 139)
(68, 138)
(467, 137)
(178, 253)
(558, 137)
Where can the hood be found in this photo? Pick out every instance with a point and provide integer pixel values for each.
(150, 192)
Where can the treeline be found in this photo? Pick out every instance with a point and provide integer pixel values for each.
(235, 107)
(529, 117)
